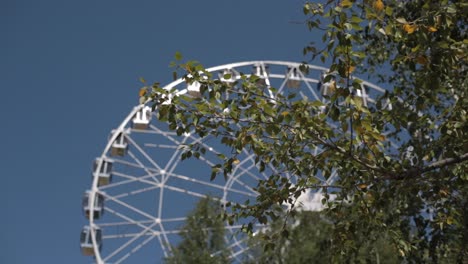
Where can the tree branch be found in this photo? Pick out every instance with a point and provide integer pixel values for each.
(445, 162)
(433, 166)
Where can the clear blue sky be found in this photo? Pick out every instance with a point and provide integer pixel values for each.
(69, 73)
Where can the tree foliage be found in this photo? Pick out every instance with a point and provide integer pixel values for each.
(401, 161)
(202, 236)
(309, 241)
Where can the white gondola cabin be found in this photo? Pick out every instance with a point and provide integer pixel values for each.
(98, 205)
(231, 74)
(86, 241)
(362, 93)
(102, 168)
(167, 99)
(193, 89)
(119, 146)
(387, 105)
(327, 88)
(294, 80)
(260, 71)
(142, 118)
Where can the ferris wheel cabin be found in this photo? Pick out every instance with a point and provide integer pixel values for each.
(102, 168)
(98, 205)
(142, 118)
(193, 89)
(362, 93)
(120, 145)
(86, 241)
(328, 87)
(294, 81)
(261, 71)
(228, 73)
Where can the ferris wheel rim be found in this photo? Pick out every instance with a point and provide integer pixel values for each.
(127, 120)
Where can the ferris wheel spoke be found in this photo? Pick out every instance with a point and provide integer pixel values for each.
(176, 219)
(181, 190)
(266, 78)
(235, 180)
(132, 235)
(152, 132)
(207, 161)
(128, 243)
(236, 176)
(117, 224)
(247, 187)
(248, 194)
(142, 223)
(160, 202)
(250, 157)
(130, 179)
(312, 91)
(135, 249)
(145, 168)
(161, 146)
(216, 186)
(170, 136)
(233, 177)
(136, 210)
(131, 164)
(163, 247)
(332, 177)
(281, 87)
(143, 152)
(131, 221)
(246, 170)
(137, 191)
(238, 243)
(166, 242)
(125, 235)
(164, 133)
(171, 162)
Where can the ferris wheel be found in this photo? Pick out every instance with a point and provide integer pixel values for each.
(141, 191)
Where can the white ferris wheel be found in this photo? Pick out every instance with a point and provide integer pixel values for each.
(141, 191)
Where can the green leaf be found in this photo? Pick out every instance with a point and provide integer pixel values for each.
(213, 175)
(178, 56)
(317, 103)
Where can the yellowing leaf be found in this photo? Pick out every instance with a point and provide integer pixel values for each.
(443, 192)
(421, 60)
(432, 29)
(285, 113)
(332, 87)
(236, 161)
(379, 5)
(142, 92)
(409, 28)
(346, 3)
(449, 220)
(362, 186)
